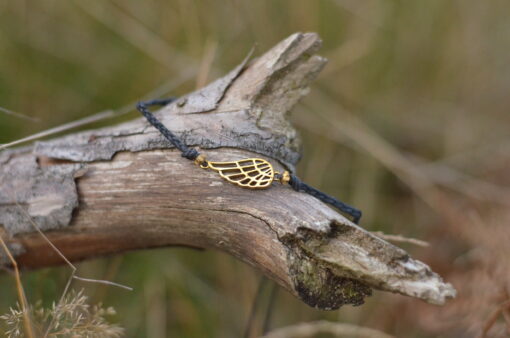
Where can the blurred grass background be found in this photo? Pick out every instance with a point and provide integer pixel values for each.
(409, 122)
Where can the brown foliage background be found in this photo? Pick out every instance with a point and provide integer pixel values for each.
(409, 122)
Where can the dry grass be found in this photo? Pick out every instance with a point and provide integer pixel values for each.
(73, 317)
(409, 122)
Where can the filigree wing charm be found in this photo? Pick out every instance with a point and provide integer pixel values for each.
(253, 173)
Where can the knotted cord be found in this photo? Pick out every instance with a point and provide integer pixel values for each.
(194, 155)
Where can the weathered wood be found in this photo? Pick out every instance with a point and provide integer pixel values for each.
(134, 191)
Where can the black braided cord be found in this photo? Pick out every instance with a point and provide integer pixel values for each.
(192, 154)
(143, 107)
(298, 185)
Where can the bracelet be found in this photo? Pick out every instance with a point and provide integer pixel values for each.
(251, 173)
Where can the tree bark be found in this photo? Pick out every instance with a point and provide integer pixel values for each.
(125, 187)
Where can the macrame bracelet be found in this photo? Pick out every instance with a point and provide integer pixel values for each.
(253, 173)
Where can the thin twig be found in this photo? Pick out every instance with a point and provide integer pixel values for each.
(21, 116)
(87, 120)
(313, 329)
(165, 88)
(106, 282)
(493, 318)
(411, 173)
(21, 294)
(273, 292)
(138, 35)
(253, 311)
(400, 238)
(71, 265)
(211, 48)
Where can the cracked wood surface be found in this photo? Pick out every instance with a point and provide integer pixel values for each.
(133, 190)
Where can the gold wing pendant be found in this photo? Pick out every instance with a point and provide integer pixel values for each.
(253, 173)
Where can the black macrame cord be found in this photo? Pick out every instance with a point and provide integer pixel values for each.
(143, 107)
(192, 154)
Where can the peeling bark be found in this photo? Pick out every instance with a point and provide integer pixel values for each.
(46, 195)
(125, 187)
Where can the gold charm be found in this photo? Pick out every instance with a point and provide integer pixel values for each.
(253, 173)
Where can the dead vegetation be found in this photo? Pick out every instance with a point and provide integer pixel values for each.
(428, 157)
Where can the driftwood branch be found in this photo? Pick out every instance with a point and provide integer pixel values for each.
(121, 188)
